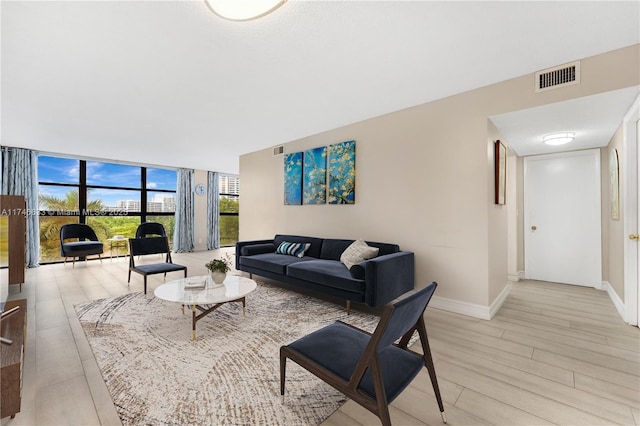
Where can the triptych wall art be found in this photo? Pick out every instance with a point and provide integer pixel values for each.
(321, 175)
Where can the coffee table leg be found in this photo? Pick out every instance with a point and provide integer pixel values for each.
(193, 319)
(244, 305)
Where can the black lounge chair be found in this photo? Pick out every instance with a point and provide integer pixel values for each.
(87, 243)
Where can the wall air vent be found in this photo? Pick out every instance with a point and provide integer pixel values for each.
(278, 150)
(553, 78)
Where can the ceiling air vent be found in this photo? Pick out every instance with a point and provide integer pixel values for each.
(553, 78)
(278, 150)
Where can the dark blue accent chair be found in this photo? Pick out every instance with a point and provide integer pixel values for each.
(87, 242)
(370, 368)
(150, 228)
(152, 245)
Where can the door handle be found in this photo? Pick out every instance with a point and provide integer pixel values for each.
(533, 228)
(634, 236)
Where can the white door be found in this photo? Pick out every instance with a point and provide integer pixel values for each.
(637, 209)
(562, 218)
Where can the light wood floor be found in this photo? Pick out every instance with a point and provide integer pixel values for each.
(554, 354)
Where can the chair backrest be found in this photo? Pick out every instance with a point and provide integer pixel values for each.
(153, 245)
(77, 230)
(407, 309)
(150, 228)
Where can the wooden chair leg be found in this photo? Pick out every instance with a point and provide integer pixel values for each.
(283, 367)
(428, 360)
(381, 397)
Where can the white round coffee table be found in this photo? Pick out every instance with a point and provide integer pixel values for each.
(234, 289)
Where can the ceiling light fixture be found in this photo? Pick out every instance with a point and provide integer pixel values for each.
(559, 138)
(243, 10)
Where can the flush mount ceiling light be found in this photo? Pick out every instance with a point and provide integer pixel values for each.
(243, 10)
(559, 138)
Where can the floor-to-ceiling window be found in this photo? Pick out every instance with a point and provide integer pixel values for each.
(229, 209)
(112, 198)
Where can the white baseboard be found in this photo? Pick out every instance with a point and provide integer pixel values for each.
(617, 302)
(516, 277)
(470, 309)
(459, 307)
(499, 301)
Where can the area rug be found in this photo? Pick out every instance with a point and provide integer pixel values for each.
(229, 376)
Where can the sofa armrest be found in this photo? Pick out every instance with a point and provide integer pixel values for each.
(388, 276)
(242, 247)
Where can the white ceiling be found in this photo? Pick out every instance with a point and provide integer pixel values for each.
(594, 119)
(170, 83)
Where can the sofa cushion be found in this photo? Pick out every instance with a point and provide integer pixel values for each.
(332, 248)
(293, 249)
(385, 248)
(272, 262)
(314, 250)
(357, 252)
(331, 273)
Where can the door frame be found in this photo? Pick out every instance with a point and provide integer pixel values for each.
(631, 212)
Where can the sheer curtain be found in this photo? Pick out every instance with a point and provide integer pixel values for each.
(183, 236)
(213, 211)
(20, 177)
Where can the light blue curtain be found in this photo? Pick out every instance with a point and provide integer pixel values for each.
(183, 235)
(213, 211)
(20, 177)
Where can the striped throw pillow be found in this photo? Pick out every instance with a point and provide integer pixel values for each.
(293, 249)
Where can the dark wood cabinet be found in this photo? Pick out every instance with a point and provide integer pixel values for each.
(14, 328)
(14, 207)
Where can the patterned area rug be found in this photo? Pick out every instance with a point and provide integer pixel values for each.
(230, 375)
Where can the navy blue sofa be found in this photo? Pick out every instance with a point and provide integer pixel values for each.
(373, 282)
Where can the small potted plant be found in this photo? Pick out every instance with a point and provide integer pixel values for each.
(219, 268)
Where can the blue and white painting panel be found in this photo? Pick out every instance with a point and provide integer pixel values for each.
(342, 173)
(315, 176)
(293, 178)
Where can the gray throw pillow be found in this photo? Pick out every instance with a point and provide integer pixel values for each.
(357, 252)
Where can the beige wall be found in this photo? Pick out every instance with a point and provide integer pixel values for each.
(613, 236)
(497, 223)
(424, 181)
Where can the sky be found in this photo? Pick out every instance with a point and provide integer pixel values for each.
(65, 170)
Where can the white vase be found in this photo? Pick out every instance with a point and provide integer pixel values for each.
(218, 277)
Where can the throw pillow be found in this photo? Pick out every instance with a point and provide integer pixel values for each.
(357, 272)
(293, 249)
(357, 252)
